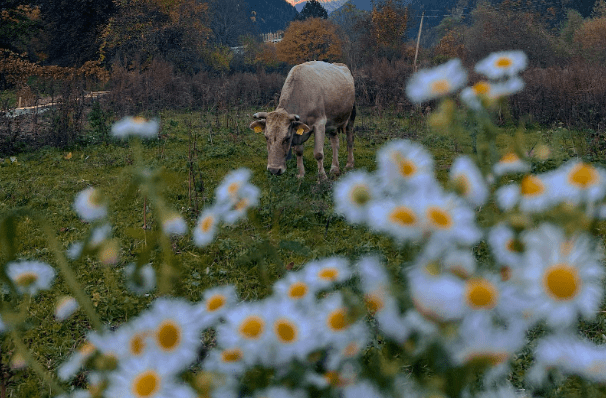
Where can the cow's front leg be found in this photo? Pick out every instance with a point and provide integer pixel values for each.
(334, 142)
(319, 150)
(299, 152)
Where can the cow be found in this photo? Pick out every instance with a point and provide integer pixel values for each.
(317, 98)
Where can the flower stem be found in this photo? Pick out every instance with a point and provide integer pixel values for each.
(34, 364)
(71, 280)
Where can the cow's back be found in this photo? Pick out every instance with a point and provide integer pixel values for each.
(318, 89)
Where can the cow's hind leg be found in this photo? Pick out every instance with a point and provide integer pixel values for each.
(334, 142)
(299, 152)
(349, 131)
(319, 150)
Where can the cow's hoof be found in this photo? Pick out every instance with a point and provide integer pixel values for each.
(349, 166)
(322, 177)
(335, 171)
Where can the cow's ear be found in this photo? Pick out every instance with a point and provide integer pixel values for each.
(300, 128)
(257, 126)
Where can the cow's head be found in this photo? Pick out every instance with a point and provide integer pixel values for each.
(281, 130)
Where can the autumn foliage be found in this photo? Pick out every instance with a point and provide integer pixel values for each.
(314, 39)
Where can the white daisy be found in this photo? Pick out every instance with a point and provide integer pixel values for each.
(509, 87)
(206, 227)
(325, 273)
(296, 288)
(564, 275)
(481, 343)
(136, 126)
(248, 326)
(468, 180)
(507, 249)
(571, 355)
(146, 379)
(98, 235)
(459, 262)
(68, 369)
(508, 196)
(292, 334)
(174, 336)
(227, 360)
(510, 163)
(143, 282)
(334, 324)
(174, 225)
(447, 219)
(581, 182)
(29, 277)
(502, 64)
(280, 392)
(362, 389)
(472, 96)
(432, 83)
(404, 164)
(353, 194)
(66, 306)
(402, 219)
(248, 196)
(437, 296)
(89, 205)
(232, 184)
(215, 303)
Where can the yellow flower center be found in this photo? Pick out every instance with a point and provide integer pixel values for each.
(561, 282)
(332, 377)
(87, 349)
(215, 302)
(337, 320)
(433, 268)
(26, 279)
(488, 358)
(515, 245)
(329, 274)
(440, 87)
(439, 217)
(139, 120)
(168, 335)
(503, 62)
(233, 355)
(146, 384)
(233, 188)
(252, 327)
(405, 166)
(285, 330)
(95, 199)
(583, 175)
(374, 303)
(509, 158)
(242, 204)
(532, 186)
(481, 294)
(207, 223)
(297, 290)
(360, 195)
(137, 344)
(481, 88)
(462, 185)
(351, 349)
(403, 216)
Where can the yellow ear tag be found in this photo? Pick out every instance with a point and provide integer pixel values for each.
(258, 129)
(300, 131)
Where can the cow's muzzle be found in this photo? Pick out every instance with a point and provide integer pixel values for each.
(276, 170)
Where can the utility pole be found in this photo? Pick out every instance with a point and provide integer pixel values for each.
(418, 40)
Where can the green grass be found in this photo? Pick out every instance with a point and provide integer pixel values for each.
(291, 210)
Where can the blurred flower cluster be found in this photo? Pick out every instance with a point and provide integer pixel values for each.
(340, 327)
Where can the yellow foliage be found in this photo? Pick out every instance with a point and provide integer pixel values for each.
(314, 39)
(591, 37)
(389, 23)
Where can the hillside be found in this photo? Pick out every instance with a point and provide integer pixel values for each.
(271, 15)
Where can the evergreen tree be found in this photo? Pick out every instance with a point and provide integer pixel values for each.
(312, 9)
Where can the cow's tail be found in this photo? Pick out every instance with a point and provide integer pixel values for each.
(352, 117)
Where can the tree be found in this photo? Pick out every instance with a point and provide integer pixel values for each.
(19, 24)
(313, 39)
(72, 29)
(312, 9)
(348, 18)
(176, 30)
(591, 37)
(229, 21)
(389, 20)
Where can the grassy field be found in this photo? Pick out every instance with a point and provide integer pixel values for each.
(295, 218)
